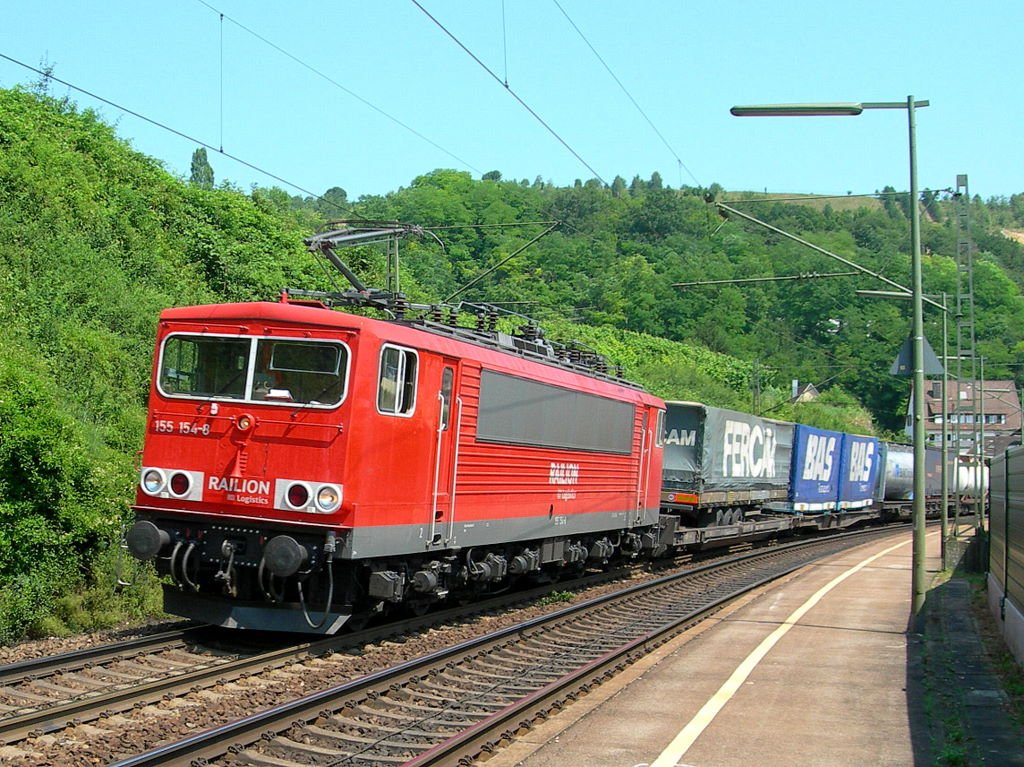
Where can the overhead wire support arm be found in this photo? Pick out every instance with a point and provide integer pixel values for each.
(503, 261)
(853, 265)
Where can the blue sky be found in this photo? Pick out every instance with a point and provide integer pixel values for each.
(685, 63)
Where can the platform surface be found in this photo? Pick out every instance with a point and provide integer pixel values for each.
(814, 670)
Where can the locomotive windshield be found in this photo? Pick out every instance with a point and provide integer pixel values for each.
(262, 369)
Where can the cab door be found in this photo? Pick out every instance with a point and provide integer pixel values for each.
(446, 455)
(643, 467)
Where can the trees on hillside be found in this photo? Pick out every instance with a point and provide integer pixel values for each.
(202, 171)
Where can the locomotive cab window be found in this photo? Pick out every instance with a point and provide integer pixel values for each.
(305, 372)
(204, 366)
(274, 371)
(396, 390)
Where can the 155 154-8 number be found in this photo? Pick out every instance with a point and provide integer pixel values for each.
(167, 426)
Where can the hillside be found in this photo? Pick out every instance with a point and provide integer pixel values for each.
(621, 251)
(95, 239)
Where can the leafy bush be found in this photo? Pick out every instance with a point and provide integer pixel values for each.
(58, 503)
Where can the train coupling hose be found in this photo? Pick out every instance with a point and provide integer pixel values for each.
(330, 546)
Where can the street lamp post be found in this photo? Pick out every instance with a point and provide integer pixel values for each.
(852, 109)
(945, 402)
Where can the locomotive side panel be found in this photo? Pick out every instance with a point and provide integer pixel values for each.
(537, 459)
(395, 484)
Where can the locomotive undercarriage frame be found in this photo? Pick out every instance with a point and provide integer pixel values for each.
(286, 579)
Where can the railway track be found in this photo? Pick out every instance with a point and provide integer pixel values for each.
(42, 697)
(452, 705)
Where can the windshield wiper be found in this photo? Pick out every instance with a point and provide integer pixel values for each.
(316, 397)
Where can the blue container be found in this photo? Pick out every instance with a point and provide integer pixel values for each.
(814, 478)
(861, 462)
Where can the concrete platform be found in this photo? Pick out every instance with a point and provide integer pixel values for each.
(818, 669)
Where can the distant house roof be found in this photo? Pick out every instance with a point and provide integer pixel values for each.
(999, 398)
(806, 393)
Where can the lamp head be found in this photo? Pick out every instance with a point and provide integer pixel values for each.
(798, 110)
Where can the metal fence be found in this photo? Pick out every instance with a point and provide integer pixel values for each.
(1006, 546)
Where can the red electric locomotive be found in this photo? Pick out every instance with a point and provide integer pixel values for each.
(304, 467)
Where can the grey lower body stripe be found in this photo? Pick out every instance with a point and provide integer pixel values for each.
(397, 540)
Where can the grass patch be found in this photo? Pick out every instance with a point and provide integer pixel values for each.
(104, 603)
(556, 597)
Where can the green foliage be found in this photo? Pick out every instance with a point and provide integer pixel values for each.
(104, 603)
(555, 597)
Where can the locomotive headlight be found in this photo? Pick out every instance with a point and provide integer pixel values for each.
(328, 498)
(245, 422)
(153, 481)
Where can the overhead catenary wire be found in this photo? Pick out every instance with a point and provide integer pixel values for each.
(510, 91)
(501, 263)
(626, 91)
(341, 87)
(222, 82)
(491, 226)
(814, 197)
(504, 40)
(176, 132)
(782, 278)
